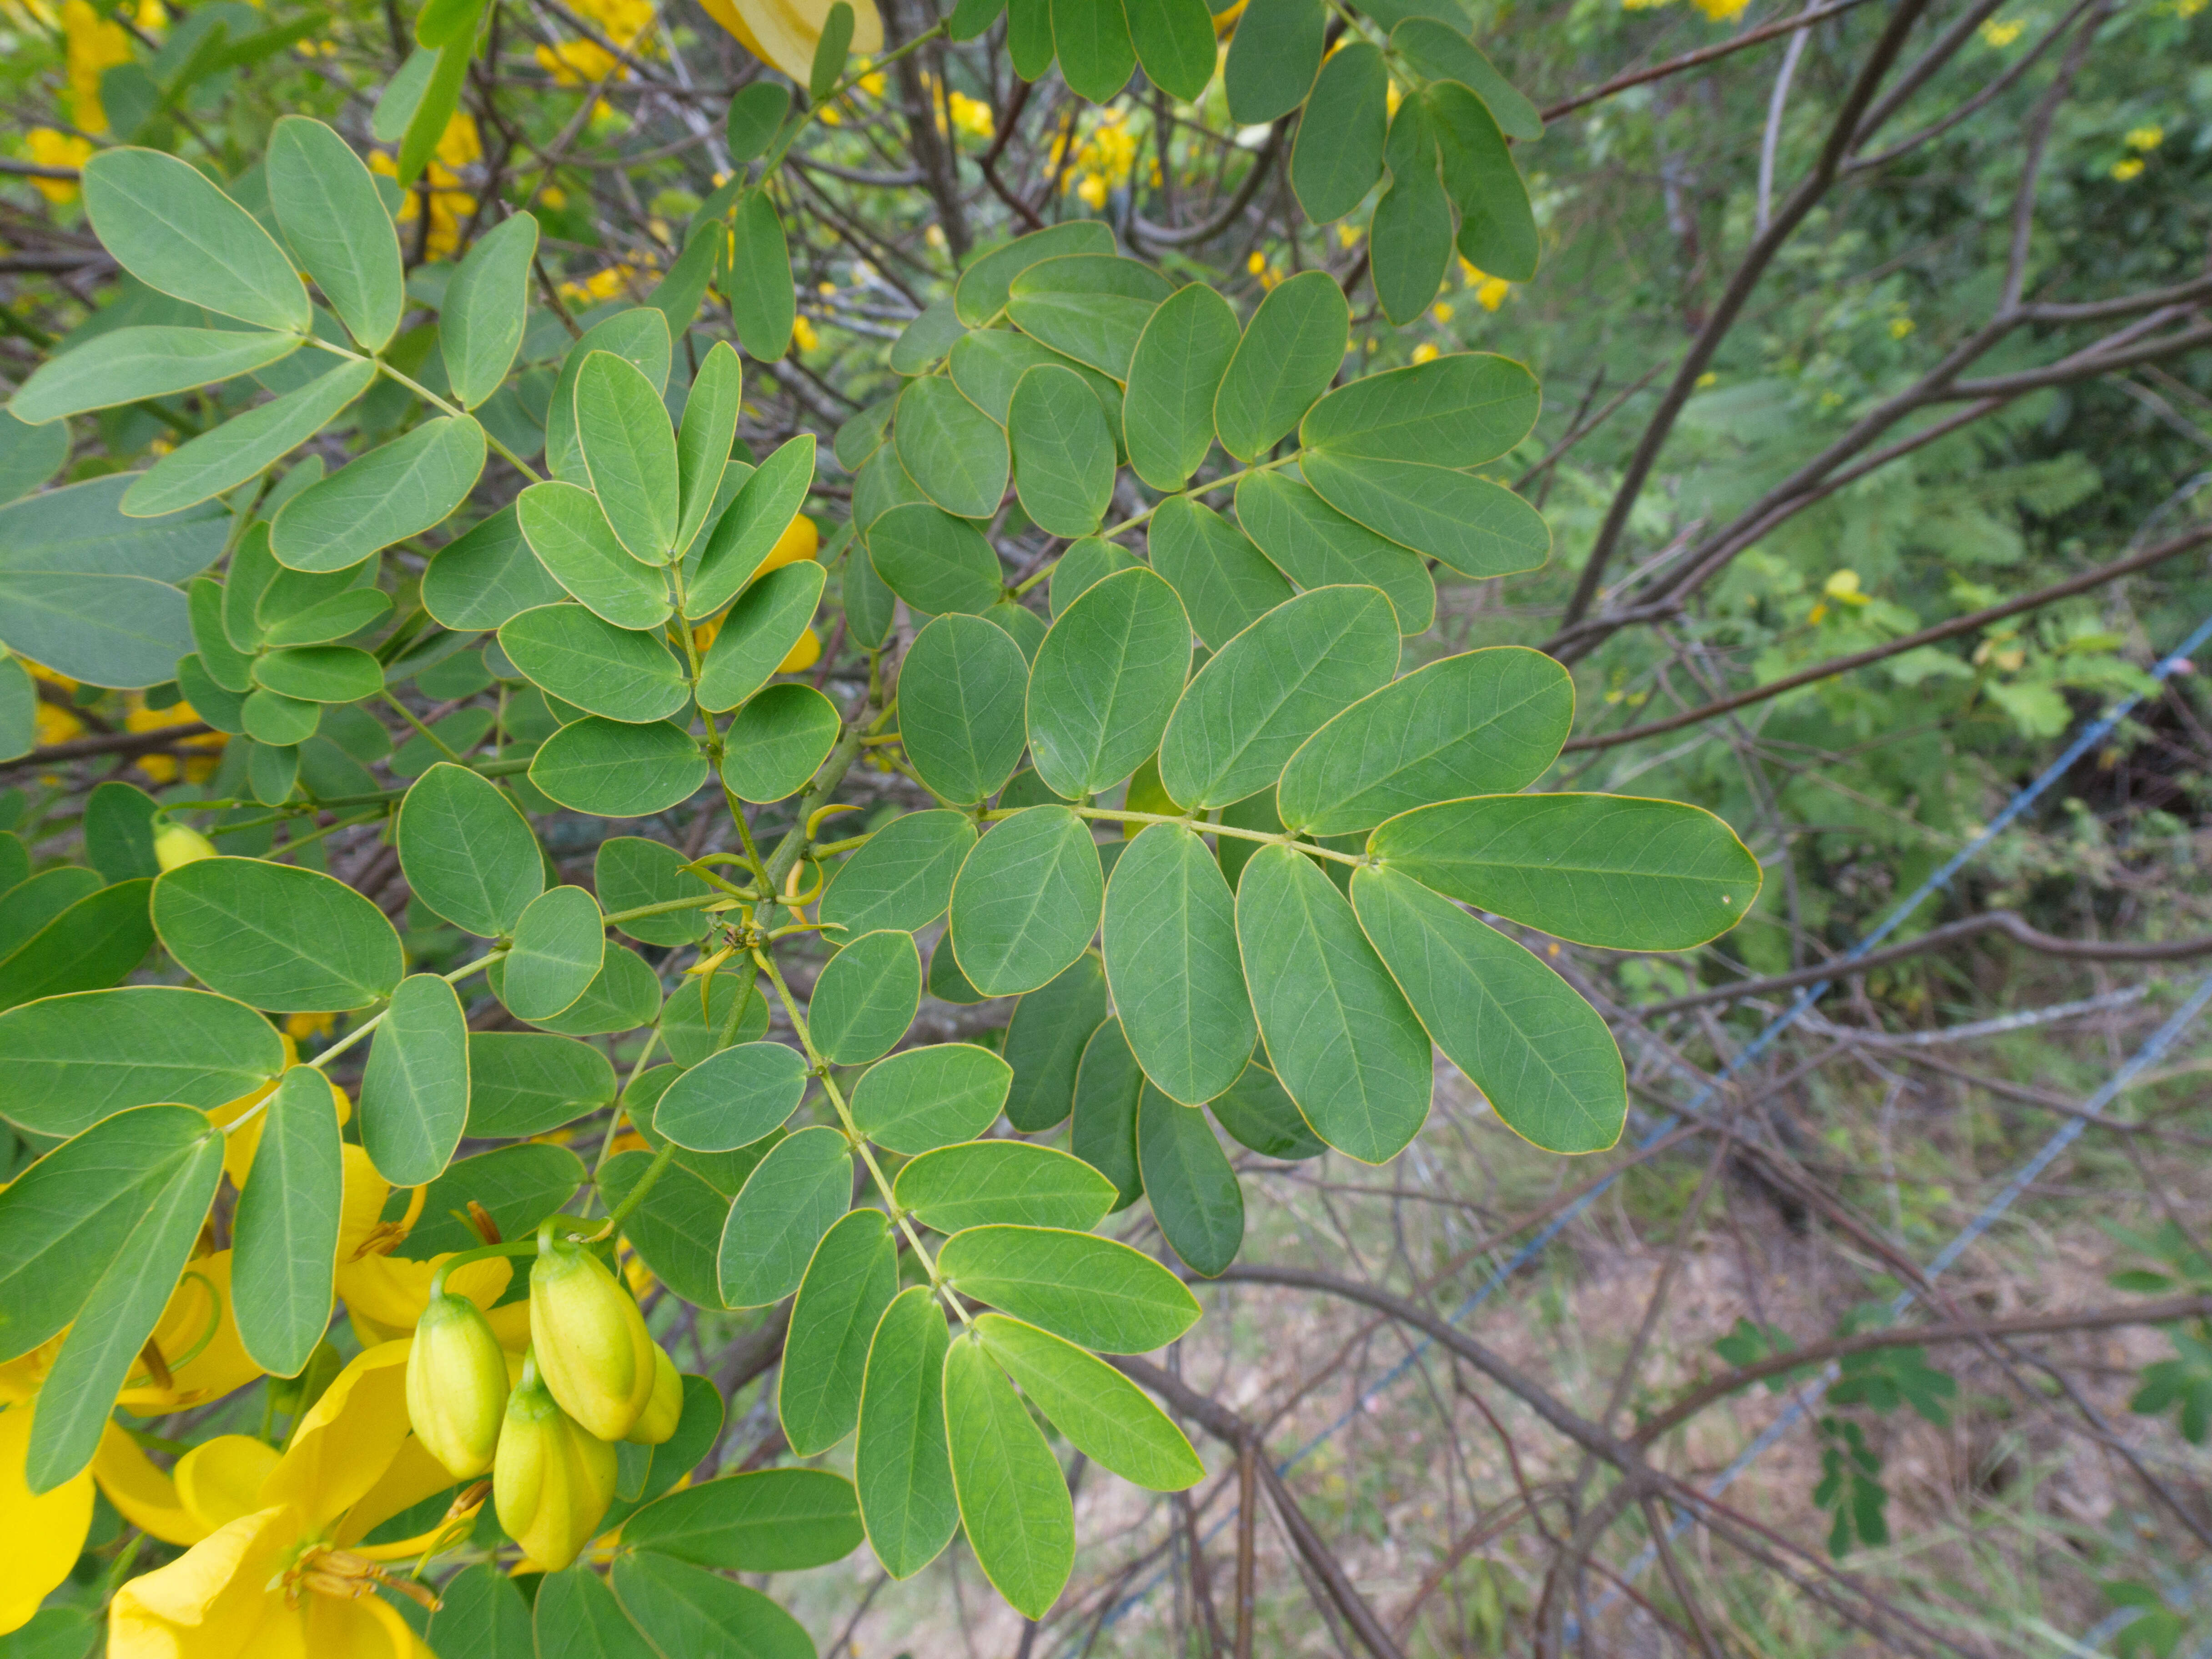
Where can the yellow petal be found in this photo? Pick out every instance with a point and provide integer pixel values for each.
(390, 1292)
(20, 1377)
(238, 1148)
(367, 1629)
(221, 1480)
(412, 1476)
(511, 1325)
(344, 1446)
(40, 1537)
(202, 1299)
(144, 1496)
(212, 1601)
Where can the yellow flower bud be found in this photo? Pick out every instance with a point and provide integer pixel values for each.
(553, 1481)
(591, 1340)
(179, 843)
(658, 1421)
(456, 1385)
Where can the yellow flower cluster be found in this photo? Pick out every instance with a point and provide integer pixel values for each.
(93, 46)
(450, 203)
(582, 62)
(2142, 140)
(1716, 11)
(1490, 291)
(785, 33)
(600, 284)
(1102, 163)
(800, 540)
(51, 149)
(58, 722)
(2002, 32)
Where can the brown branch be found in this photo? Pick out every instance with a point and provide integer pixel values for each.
(1690, 60)
(114, 743)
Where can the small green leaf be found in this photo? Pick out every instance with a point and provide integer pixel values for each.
(616, 771)
(1316, 546)
(467, 851)
(702, 443)
(486, 305)
(1496, 228)
(1063, 455)
(934, 562)
(1273, 57)
(1339, 1034)
(575, 1615)
(1339, 154)
(756, 115)
(768, 619)
(1091, 38)
(482, 579)
(1175, 375)
(414, 1091)
(955, 451)
(327, 206)
(1014, 1504)
(866, 998)
(631, 872)
(434, 110)
(922, 345)
(1224, 582)
(1477, 527)
(1259, 1115)
(988, 364)
(575, 655)
(961, 718)
(1109, 1083)
(167, 225)
(320, 673)
(734, 1010)
(1171, 958)
(629, 453)
(851, 1280)
(983, 289)
(409, 485)
(765, 1521)
(1094, 1292)
(525, 1082)
(276, 936)
(1194, 1192)
(984, 1183)
(1027, 901)
(1290, 353)
(81, 529)
(900, 1464)
(226, 457)
(480, 1611)
(732, 1098)
(778, 741)
(1106, 679)
(1410, 241)
(1091, 307)
(681, 1608)
(71, 1060)
(640, 336)
(1174, 42)
(281, 1275)
(571, 536)
(924, 1098)
(559, 944)
(763, 303)
(1614, 871)
(1085, 565)
(1459, 410)
(127, 364)
(676, 1230)
(516, 1186)
(829, 52)
(750, 526)
(88, 947)
(1044, 1043)
(1105, 1415)
(901, 878)
(1443, 53)
(794, 1197)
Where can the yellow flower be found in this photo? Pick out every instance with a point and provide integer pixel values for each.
(301, 1027)
(1708, 377)
(1425, 352)
(784, 32)
(386, 1294)
(2146, 137)
(95, 46)
(2001, 33)
(176, 844)
(200, 753)
(969, 115)
(2130, 168)
(1721, 11)
(1441, 312)
(288, 1576)
(1348, 234)
(589, 1341)
(1901, 327)
(51, 149)
(802, 656)
(803, 335)
(554, 1481)
(456, 1385)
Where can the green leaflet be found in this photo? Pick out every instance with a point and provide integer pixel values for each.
(900, 1464)
(334, 221)
(1091, 307)
(483, 578)
(81, 529)
(934, 562)
(286, 1236)
(269, 717)
(1444, 53)
(334, 618)
(467, 851)
(571, 537)
(1194, 1192)
(318, 673)
(734, 1010)
(988, 364)
(1085, 564)
(901, 878)
(1027, 901)
(702, 443)
(621, 997)
(71, 1060)
(763, 303)
(1013, 1499)
(630, 454)
(639, 334)
(575, 1615)
(1316, 546)
(768, 619)
(924, 1098)
(1339, 154)
(617, 771)
(678, 1230)
(1044, 1043)
(777, 742)
(1339, 1034)
(1091, 38)
(681, 1608)
(26, 908)
(732, 1098)
(414, 1091)
(764, 1521)
(1615, 871)
(574, 654)
(866, 998)
(1063, 455)
(29, 456)
(1483, 722)
(88, 947)
(983, 290)
(480, 1611)
(525, 1082)
(955, 451)
(1477, 527)
(517, 1186)
(794, 1197)
(851, 1280)
(104, 631)
(1540, 1054)
(222, 459)
(756, 115)
(487, 302)
(1174, 374)
(1105, 681)
(1271, 688)
(111, 1329)
(1497, 229)
(1094, 1292)
(632, 870)
(1105, 1415)
(1108, 1084)
(1175, 43)
(126, 364)
(1459, 410)
(960, 691)
(1291, 351)
(118, 835)
(276, 936)
(1170, 949)
(64, 1219)
(169, 227)
(1259, 1115)
(1273, 57)
(1012, 1182)
(923, 343)
(1224, 582)
(560, 943)
(1410, 241)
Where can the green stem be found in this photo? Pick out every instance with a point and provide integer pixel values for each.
(408, 714)
(481, 1253)
(431, 398)
(374, 1021)
(1117, 815)
(636, 1195)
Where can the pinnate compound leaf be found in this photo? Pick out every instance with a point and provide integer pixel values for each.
(486, 305)
(1273, 687)
(1339, 1034)
(467, 851)
(1483, 722)
(72, 1060)
(1027, 902)
(900, 1464)
(409, 485)
(901, 878)
(414, 1091)
(1013, 1499)
(1195, 1194)
(1615, 871)
(1170, 950)
(1540, 1054)
(794, 1197)
(333, 220)
(281, 1275)
(1105, 681)
(765, 1521)
(168, 226)
(732, 1098)
(1095, 1291)
(851, 1280)
(866, 996)
(961, 716)
(1105, 1414)
(1044, 1044)
(276, 936)
(924, 1098)
(983, 1183)
(126, 364)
